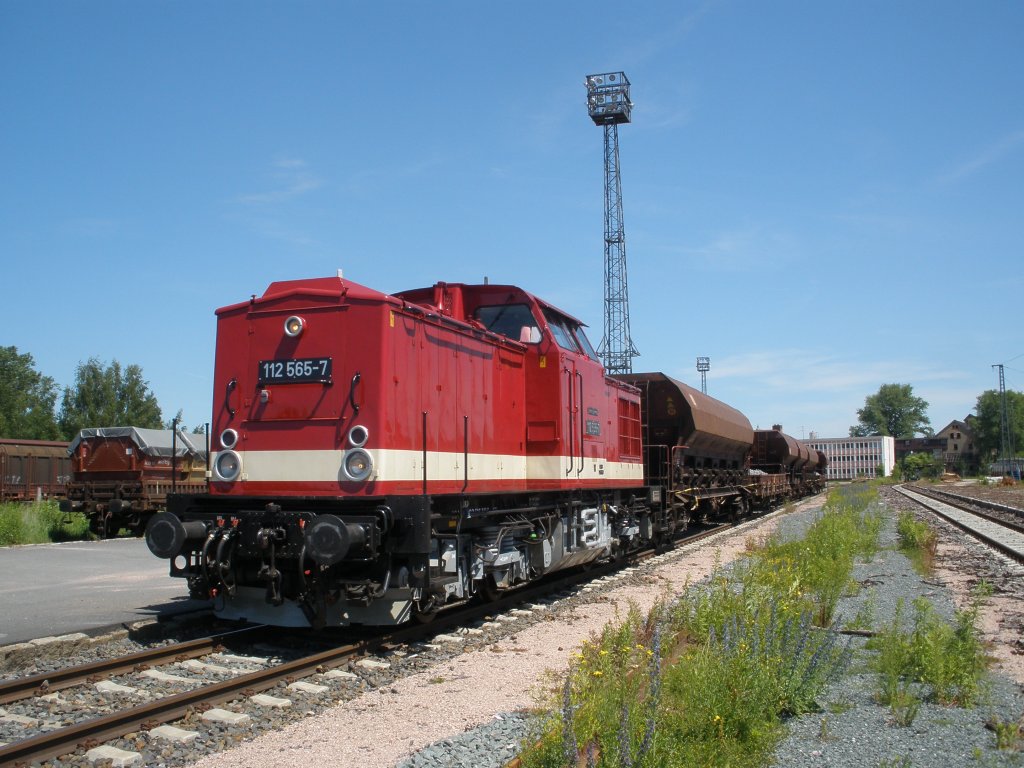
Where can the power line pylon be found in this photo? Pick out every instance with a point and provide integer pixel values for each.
(1006, 447)
(608, 105)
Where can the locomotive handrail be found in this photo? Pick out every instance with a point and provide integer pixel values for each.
(572, 426)
(232, 384)
(583, 422)
(465, 452)
(424, 453)
(352, 392)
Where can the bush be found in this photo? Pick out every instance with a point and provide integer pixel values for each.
(40, 523)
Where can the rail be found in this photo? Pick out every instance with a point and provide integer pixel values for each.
(991, 531)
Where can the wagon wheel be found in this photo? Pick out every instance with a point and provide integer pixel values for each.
(109, 530)
(740, 509)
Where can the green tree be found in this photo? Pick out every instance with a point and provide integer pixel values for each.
(27, 399)
(987, 428)
(198, 429)
(895, 411)
(918, 465)
(108, 396)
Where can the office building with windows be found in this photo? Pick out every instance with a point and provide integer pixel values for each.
(850, 458)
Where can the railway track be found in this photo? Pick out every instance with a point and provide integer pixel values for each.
(235, 677)
(1004, 535)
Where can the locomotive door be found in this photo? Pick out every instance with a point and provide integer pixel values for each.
(572, 397)
(593, 418)
(583, 397)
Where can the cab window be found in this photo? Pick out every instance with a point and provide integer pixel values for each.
(584, 342)
(515, 321)
(560, 330)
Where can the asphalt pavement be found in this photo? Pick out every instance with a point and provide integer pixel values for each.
(57, 589)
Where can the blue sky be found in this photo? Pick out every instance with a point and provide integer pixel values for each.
(822, 197)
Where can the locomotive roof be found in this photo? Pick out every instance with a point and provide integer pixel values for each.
(337, 287)
(492, 288)
(152, 442)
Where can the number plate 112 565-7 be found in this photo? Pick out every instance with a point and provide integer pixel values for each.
(301, 371)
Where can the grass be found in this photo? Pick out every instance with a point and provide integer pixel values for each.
(708, 678)
(918, 541)
(39, 523)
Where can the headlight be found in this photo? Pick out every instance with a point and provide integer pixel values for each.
(229, 438)
(293, 326)
(358, 435)
(357, 465)
(228, 466)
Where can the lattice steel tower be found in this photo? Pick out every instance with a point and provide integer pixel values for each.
(1006, 447)
(609, 105)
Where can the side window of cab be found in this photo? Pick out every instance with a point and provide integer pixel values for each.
(569, 335)
(561, 329)
(584, 342)
(515, 321)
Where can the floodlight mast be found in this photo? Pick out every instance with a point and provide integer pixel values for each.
(703, 366)
(608, 105)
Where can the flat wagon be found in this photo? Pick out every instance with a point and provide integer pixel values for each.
(122, 475)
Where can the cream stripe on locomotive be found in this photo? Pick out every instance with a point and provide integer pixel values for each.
(404, 466)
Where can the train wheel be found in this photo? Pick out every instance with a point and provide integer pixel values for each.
(488, 589)
(425, 611)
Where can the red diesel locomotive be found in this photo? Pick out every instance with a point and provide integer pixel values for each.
(379, 456)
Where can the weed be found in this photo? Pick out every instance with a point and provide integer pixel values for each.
(865, 616)
(839, 706)
(982, 591)
(904, 705)
(948, 658)
(1008, 735)
(918, 541)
